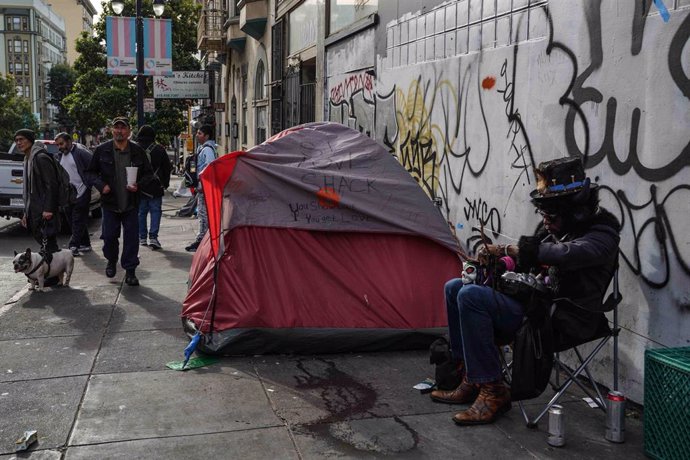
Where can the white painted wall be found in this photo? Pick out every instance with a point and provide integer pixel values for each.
(469, 110)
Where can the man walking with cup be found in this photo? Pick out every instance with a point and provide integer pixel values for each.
(118, 169)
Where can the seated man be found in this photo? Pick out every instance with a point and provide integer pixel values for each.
(578, 240)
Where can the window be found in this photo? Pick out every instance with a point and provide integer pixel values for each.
(26, 46)
(25, 23)
(17, 46)
(260, 102)
(16, 23)
(302, 26)
(260, 124)
(244, 106)
(26, 68)
(11, 67)
(345, 12)
(260, 81)
(20, 91)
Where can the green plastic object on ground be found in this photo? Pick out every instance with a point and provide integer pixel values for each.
(197, 361)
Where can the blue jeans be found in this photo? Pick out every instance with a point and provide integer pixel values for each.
(475, 315)
(202, 214)
(111, 223)
(154, 207)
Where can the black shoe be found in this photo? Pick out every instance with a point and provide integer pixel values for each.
(192, 247)
(111, 269)
(131, 279)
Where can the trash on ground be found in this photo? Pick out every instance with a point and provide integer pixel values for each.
(29, 437)
(591, 402)
(193, 363)
(425, 386)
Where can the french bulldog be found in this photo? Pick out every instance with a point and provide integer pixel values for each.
(36, 269)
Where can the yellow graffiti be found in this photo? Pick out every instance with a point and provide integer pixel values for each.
(422, 144)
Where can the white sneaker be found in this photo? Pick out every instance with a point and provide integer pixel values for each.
(75, 251)
(84, 248)
(155, 244)
(142, 242)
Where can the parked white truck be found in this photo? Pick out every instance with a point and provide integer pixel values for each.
(12, 180)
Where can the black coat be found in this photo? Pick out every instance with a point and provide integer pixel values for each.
(101, 172)
(580, 269)
(41, 186)
(160, 163)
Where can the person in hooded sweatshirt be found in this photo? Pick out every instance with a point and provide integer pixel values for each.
(41, 208)
(151, 201)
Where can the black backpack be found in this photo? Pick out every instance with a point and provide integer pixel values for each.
(67, 193)
(447, 375)
(191, 178)
(154, 187)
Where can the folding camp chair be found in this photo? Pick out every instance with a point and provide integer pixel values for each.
(603, 333)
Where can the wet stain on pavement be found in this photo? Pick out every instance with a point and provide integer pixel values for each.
(347, 400)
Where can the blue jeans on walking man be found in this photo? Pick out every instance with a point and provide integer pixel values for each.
(152, 206)
(476, 314)
(202, 214)
(112, 221)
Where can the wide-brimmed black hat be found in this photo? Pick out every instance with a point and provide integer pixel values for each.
(560, 178)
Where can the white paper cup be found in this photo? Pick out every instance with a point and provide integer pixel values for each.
(131, 175)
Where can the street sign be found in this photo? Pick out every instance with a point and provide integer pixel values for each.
(182, 85)
(149, 105)
(219, 106)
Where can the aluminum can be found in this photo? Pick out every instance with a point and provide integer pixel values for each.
(615, 417)
(556, 427)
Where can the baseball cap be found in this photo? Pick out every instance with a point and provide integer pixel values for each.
(122, 120)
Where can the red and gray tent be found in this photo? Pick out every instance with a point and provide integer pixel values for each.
(319, 241)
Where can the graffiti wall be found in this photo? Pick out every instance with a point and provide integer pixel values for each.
(471, 95)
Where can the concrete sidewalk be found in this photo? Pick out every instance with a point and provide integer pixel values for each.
(85, 366)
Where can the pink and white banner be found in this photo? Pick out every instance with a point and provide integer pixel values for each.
(120, 35)
(120, 38)
(157, 47)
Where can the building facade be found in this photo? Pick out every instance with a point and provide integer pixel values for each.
(33, 40)
(470, 95)
(78, 16)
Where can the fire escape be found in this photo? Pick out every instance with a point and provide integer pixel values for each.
(211, 43)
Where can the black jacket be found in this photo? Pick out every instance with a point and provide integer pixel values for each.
(41, 184)
(580, 270)
(160, 163)
(101, 172)
(82, 157)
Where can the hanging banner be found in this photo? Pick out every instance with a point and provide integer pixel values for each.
(120, 36)
(157, 47)
(120, 39)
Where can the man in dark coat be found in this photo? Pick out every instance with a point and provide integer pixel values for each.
(41, 208)
(578, 241)
(120, 200)
(75, 158)
(151, 200)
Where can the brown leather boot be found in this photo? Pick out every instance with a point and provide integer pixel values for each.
(465, 393)
(493, 400)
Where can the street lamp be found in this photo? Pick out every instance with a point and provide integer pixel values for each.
(158, 8)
